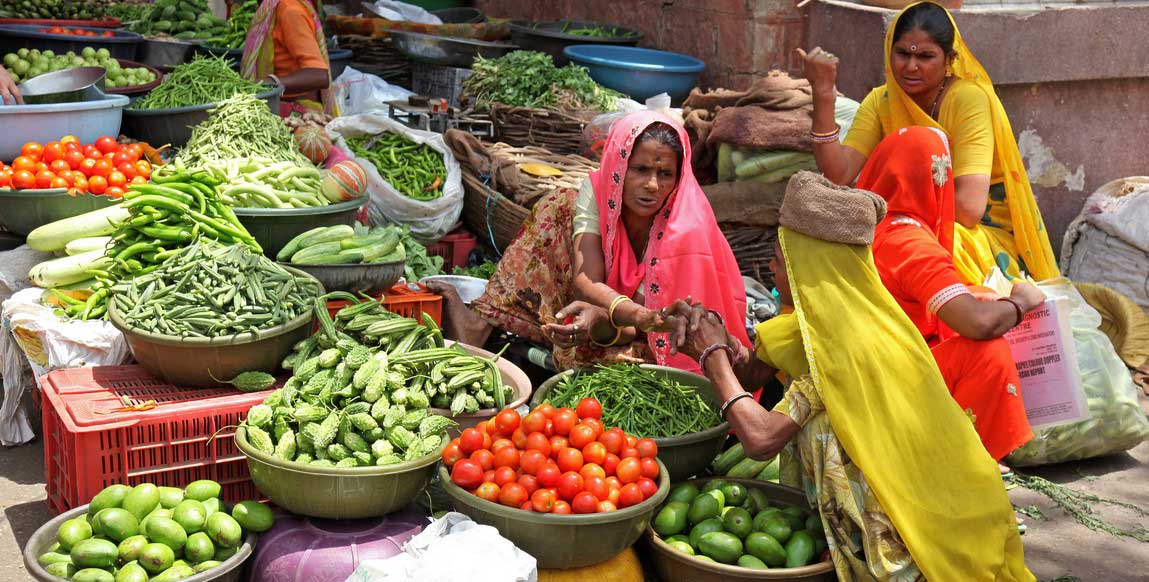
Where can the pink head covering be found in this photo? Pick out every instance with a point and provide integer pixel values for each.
(687, 254)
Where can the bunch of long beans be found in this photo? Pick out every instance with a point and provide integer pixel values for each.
(641, 402)
(241, 127)
(206, 79)
(416, 170)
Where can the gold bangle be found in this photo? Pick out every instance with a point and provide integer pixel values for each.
(837, 129)
(614, 305)
(617, 336)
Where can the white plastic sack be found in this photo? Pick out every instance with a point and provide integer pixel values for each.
(1117, 423)
(358, 92)
(35, 336)
(430, 220)
(1108, 243)
(400, 11)
(14, 267)
(453, 549)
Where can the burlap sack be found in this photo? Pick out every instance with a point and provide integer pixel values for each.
(816, 207)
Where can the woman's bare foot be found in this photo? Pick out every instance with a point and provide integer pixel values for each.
(460, 323)
(1005, 470)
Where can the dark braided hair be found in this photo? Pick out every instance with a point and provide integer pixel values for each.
(930, 19)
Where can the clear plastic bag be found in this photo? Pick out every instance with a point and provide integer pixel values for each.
(596, 132)
(1117, 423)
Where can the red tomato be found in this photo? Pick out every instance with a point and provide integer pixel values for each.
(88, 167)
(631, 441)
(74, 159)
(81, 182)
(508, 457)
(116, 179)
(136, 149)
(91, 151)
(537, 441)
(467, 474)
(594, 423)
(138, 180)
(581, 436)
(128, 170)
(549, 429)
(452, 454)
(58, 166)
(549, 475)
(534, 422)
(513, 495)
(40, 167)
(547, 409)
(594, 453)
(489, 491)
(629, 452)
(629, 470)
(526, 506)
(124, 156)
(485, 459)
(519, 438)
(5, 179)
(32, 150)
(647, 448)
(58, 182)
(143, 169)
(596, 486)
(613, 440)
(52, 152)
(562, 508)
(613, 495)
(569, 459)
(470, 441)
(648, 487)
(530, 483)
(589, 408)
(649, 467)
(501, 444)
(504, 475)
(70, 139)
(565, 419)
(107, 144)
(558, 443)
(543, 500)
(24, 163)
(507, 421)
(592, 470)
(103, 167)
(584, 502)
(569, 485)
(44, 178)
(606, 507)
(531, 461)
(614, 482)
(489, 475)
(491, 429)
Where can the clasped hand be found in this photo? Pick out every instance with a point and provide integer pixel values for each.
(693, 328)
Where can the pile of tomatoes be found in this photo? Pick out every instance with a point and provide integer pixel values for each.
(77, 32)
(554, 461)
(104, 168)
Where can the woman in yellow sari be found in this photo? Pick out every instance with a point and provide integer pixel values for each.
(933, 80)
(905, 490)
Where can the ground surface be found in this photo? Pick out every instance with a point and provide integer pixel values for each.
(1055, 547)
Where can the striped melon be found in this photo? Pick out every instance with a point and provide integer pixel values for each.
(347, 180)
(313, 143)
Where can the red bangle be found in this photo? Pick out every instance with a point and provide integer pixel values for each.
(710, 350)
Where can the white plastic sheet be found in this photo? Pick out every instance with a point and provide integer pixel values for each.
(358, 92)
(400, 11)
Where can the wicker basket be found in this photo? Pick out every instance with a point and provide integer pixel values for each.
(494, 217)
(559, 132)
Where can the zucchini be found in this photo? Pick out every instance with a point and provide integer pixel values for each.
(747, 468)
(55, 236)
(67, 270)
(329, 234)
(83, 245)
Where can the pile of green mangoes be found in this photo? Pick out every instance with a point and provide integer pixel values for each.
(142, 533)
(729, 523)
(54, 9)
(25, 64)
(182, 19)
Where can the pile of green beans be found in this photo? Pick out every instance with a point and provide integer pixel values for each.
(204, 80)
(641, 402)
(241, 127)
(210, 290)
(166, 215)
(415, 170)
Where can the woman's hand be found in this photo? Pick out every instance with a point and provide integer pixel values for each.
(820, 68)
(695, 328)
(9, 92)
(1028, 295)
(589, 322)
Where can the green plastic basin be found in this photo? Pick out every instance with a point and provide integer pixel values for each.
(561, 541)
(684, 456)
(337, 493)
(513, 376)
(273, 228)
(675, 566)
(22, 211)
(194, 361)
(229, 571)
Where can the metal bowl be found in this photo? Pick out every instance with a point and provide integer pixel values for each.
(364, 278)
(165, 54)
(64, 86)
(469, 288)
(460, 15)
(446, 51)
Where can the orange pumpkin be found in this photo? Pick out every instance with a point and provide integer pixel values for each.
(347, 180)
(313, 143)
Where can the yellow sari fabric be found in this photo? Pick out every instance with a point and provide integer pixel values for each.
(890, 409)
(1024, 244)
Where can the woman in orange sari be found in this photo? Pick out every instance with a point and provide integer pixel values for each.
(913, 250)
(286, 45)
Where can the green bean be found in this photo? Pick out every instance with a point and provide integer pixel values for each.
(206, 79)
(244, 124)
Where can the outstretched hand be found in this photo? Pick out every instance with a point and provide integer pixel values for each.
(820, 68)
(695, 328)
(583, 318)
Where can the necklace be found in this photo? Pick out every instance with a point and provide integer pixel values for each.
(934, 109)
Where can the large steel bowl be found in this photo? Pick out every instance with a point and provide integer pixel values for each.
(446, 51)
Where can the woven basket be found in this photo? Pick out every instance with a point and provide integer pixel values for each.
(753, 248)
(494, 217)
(558, 131)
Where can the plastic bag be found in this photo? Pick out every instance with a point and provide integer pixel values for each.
(35, 336)
(358, 92)
(1117, 423)
(596, 132)
(14, 267)
(453, 549)
(429, 220)
(401, 11)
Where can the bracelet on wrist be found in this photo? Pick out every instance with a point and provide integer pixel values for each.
(614, 306)
(710, 350)
(1017, 307)
(730, 402)
(617, 336)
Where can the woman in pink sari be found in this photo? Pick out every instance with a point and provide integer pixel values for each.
(592, 271)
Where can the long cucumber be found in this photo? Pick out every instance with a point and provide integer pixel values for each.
(727, 459)
(55, 236)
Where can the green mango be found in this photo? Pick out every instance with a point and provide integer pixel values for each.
(223, 554)
(129, 549)
(204, 566)
(253, 516)
(190, 514)
(93, 575)
(211, 506)
(48, 558)
(224, 530)
(170, 497)
(199, 548)
(132, 572)
(94, 553)
(111, 496)
(156, 558)
(72, 532)
(142, 500)
(202, 490)
(167, 531)
(116, 524)
(176, 572)
(61, 569)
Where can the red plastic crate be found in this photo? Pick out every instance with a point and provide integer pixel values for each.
(87, 449)
(454, 248)
(403, 300)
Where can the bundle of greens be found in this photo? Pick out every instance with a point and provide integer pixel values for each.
(419, 263)
(485, 270)
(531, 79)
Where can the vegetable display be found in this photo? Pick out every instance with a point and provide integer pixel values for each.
(54, 9)
(486, 270)
(26, 64)
(342, 244)
(595, 31)
(105, 167)
(734, 463)
(265, 183)
(129, 11)
(531, 79)
(554, 461)
(204, 80)
(210, 290)
(237, 25)
(149, 532)
(241, 127)
(419, 263)
(415, 170)
(729, 523)
(76, 32)
(181, 19)
(638, 400)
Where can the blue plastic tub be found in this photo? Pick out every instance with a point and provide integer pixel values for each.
(638, 72)
(87, 120)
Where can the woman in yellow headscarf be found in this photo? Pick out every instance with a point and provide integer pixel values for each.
(933, 80)
(904, 487)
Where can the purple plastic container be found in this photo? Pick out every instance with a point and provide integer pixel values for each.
(304, 549)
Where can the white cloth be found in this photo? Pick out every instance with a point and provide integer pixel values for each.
(1108, 243)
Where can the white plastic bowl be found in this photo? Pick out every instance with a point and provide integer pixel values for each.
(87, 120)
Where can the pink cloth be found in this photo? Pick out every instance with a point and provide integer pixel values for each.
(687, 254)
